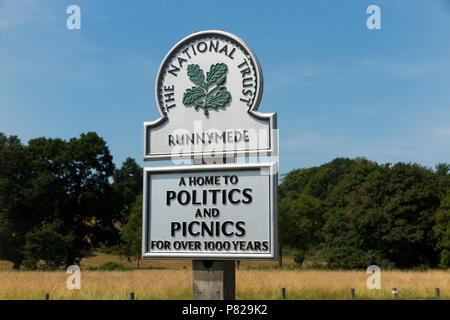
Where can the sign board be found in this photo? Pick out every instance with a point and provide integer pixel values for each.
(208, 91)
(210, 212)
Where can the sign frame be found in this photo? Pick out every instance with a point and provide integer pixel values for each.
(270, 169)
(269, 119)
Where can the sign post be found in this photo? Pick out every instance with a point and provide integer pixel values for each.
(216, 211)
(213, 279)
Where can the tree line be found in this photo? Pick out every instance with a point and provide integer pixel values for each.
(355, 213)
(60, 200)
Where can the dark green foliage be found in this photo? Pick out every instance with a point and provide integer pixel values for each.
(56, 200)
(16, 189)
(370, 213)
(131, 233)
(127, 186)
(300, 224)
(112, 266)
(47, 244)
(442, 232)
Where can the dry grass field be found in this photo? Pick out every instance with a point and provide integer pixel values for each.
(254, 280)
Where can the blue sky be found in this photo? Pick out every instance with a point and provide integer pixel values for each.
(340, 89)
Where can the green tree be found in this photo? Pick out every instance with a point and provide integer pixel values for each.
(443, 176)
(72, 197)
(382, 215)
(131, 233)
(127, 185)
(300, 224)
(47, 244)
(16, 214)
(442, 231)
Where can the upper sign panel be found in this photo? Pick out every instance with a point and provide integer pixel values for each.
(208, 90)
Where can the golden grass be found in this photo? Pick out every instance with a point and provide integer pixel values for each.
(98, 259)
(322, 284)
(255, 280)
(251, 284)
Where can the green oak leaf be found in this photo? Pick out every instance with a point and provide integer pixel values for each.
(198, 104)
(196, 74)
(215, 72)
(219, 99)
(221, 80)
(193, 94)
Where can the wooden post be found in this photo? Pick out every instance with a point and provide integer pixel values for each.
(352, 293)
(283, 293)
(394, 292)
(437, 292)
(46, 296)
(214, 280)
(131, 295)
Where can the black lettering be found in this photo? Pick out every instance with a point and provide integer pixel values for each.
(186, 52)
(247, 82)
(217, 229)
(224, 228)
(214, 195)
(240, 227)
(174, 226)
(231, 53)
(209, 180)
(180, 197)
(245, 71)
(205, 46)
(224, 196)
(247, 193)
(246, 101)
(180, 61)
(173, 70)
(209, 230)
(190, 228)
(246, 137)
(224, 49)
(170, 195)
(243, 64)
(230, 196)
(212, 46)
(205, 194)
(184, 229)
(171, 142)
(194, 197)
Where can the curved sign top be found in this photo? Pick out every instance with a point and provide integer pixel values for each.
(208, 91)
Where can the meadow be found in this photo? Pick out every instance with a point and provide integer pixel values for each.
(172, 279)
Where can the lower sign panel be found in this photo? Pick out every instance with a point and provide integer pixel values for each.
(210, 212)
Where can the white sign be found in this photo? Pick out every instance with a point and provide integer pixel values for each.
(208, 91)
(210, 212)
